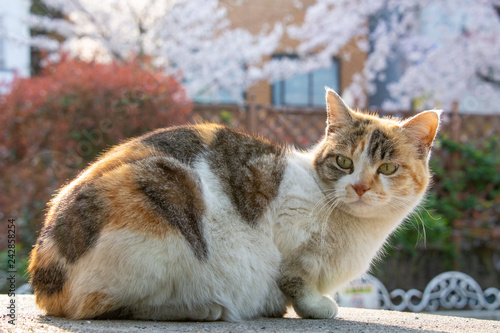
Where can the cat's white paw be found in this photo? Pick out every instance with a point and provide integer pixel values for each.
(211, 312)
(315, 307)
(214, 313)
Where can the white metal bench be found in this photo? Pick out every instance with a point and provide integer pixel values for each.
(447, 291)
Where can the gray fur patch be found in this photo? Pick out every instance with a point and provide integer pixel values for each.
(182, 143)
(78, 221)
(380, 146)
(292, 286)
(49, 280)
(250, 170)
(174, 193)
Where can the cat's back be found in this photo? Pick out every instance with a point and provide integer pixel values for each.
(247, 169)
(168, 184)
(180, 158)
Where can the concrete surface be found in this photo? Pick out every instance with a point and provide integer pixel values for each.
(31, 319)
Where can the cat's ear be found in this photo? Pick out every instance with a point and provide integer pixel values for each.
(338, 112)
(422, 129)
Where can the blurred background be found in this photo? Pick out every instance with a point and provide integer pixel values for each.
(78, 76)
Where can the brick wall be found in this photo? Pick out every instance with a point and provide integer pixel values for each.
(254, 15)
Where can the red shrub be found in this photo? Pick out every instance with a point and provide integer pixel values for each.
(55, 124)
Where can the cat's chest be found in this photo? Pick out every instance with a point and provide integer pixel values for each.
(346, 252)
(333, 251)
(294, 213)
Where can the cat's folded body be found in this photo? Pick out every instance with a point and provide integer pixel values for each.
(206, 223)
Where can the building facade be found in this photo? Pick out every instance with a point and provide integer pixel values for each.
(302, 90)
(14, 47)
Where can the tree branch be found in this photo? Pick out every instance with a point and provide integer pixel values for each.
(101, 30)
(488, 79)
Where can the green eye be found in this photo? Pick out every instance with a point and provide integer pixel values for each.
(388, 168)
(344, 162)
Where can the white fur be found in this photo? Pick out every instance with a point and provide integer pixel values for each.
(164, 279)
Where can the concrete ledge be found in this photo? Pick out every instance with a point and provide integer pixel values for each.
(31, 319)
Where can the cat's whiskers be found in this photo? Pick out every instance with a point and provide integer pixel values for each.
(331, 202)
(325, 201)
(328, 190)
(392, 208)
(400, 203)
(330, 206)
(420, 219)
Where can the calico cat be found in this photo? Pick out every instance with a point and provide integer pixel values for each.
(204, 222)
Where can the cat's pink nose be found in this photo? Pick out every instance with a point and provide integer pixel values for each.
(360, 189)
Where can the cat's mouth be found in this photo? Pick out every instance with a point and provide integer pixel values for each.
(360, 202)
(365, 201)
(360, 207)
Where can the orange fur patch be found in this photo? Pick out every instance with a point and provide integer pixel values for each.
(130, 208)
(54, 305)
(123, 154)
(93, 305)
(207, 132)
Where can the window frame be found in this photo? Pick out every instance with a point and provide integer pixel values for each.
(310, 84)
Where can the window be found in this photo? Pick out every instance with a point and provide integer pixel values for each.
(222, 96)
(307, 89)
(2, 49)
(213, 92)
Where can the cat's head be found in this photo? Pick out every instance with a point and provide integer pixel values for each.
(370, 166)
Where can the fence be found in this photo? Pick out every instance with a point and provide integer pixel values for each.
(296, 126)
(454, 293)
(302, 127)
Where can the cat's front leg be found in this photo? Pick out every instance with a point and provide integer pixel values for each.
(306, 299)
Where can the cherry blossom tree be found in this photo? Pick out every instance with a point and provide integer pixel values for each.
(448, 49)
(191, 39)
(445, 50)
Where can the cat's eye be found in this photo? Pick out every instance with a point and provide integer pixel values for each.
(388, 168)
(344, 162)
